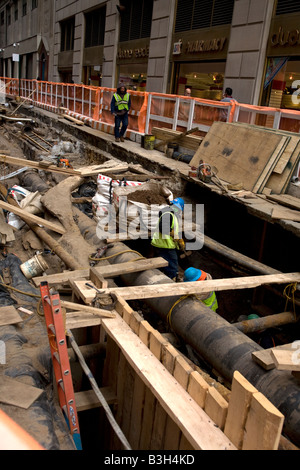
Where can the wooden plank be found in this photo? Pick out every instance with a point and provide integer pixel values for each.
(25, 163)
(169, 355)
(264, 358)
(189, 141)
(81, 319)
(278, 182)
(87, 309)
(138, 400)
(270, 166)
(176, 138)
(107, 271)
(197, 388)
(286, 155)
(88, 399)
(224, 148)
(72, 119)
(283, 213)
(286, 360)
(179, 289)
(263, 425)
(18, 393)
(193, 422)
(182, 370)
(216, 407)
(26, 216)
(238, 408)
(285, 200)
(9, 315)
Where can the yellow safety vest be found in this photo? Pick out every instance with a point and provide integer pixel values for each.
(211, 301)
(122, 103)
(166, 241)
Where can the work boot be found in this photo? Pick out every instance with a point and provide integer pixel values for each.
(122, 139)
(117, 139)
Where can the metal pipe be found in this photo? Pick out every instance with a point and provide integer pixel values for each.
(258, 324)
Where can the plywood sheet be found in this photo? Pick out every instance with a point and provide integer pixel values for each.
(9, 315)
(239, 153)
(17, 393)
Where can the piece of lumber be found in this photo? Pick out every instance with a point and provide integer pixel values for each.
(264, 357)
(88, 399)
(71, 118)
(6, 230)
(285, 200)
(86, 308)
(284, 213)
(81, 319)
(263, 425)
(216, 407)
(286, 360)
(238, 408)
(179, 289)
(33, 164)
(32, 218)
(189, 417)
(176, 138)
(9, 315)
(191, 142)
(96, 169)
(107, 271)
(16, 393)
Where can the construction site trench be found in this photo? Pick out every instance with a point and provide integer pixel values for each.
(239, 241)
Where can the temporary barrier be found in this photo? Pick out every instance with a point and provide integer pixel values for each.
(92, 105)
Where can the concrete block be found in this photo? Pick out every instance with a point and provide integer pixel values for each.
(250, 62)
(246, 38)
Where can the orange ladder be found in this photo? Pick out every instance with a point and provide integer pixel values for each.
(60, 359)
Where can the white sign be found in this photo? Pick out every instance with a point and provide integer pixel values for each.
(15, 57)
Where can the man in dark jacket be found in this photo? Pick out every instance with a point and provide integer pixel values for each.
(120, 105)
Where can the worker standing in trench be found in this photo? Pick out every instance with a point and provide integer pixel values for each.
(166, 239)
(193, 274)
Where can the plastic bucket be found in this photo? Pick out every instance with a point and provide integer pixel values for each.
(148, 141)
(34, 266)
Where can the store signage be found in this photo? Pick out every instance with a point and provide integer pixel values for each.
(208, 45)
(177, 47)
(137, 53)
(285, 38)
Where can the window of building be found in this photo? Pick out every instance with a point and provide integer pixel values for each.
(95, 27)
(16, 13)
(67, 34)
(24, 8)
(34, 4)
(2, 18)
(205, 79)
(136, 19)
(197, 14)
(286, 6)
(8, 16)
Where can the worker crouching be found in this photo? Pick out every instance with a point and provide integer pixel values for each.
(193, 274)
(166, 238)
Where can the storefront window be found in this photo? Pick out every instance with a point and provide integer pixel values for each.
(205, 79)
(133, 76)
(282, 83)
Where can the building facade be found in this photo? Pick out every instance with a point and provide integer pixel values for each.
(164, 46)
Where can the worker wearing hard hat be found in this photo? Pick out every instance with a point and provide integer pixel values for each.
(209, 299)
(166, 238)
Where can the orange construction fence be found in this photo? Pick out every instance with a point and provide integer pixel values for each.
(92, 105)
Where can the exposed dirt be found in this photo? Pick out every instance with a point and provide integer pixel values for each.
(147, 197)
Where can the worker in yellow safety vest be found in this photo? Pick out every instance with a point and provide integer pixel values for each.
(166, 238)
(120, 106)
(193, 274)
